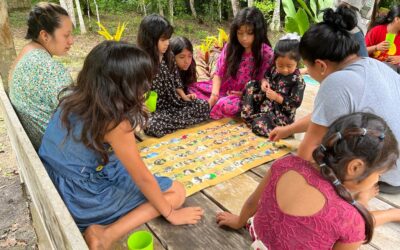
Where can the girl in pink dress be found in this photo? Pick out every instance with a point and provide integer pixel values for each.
(246, 57)
(321, 204)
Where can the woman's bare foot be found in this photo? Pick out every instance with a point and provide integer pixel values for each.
(364, 196)
(96, 238)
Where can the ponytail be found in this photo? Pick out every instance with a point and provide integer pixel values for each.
(328, 173)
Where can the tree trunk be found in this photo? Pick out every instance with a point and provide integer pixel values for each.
(68, 5)
(7, 50)
(144, 7)
(235, 7)
(160, 8)
(276, 17)
(81, 22)
(97, 12)
(171, 11)
(250, 3)
(192, 8)
(220, 10)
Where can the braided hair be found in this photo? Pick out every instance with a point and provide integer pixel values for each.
(362, 136)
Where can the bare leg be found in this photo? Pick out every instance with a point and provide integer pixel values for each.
(102, 237)
(385, 216)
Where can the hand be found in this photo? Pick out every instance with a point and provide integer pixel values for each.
(280, 133)
(395, 60)
(235, 93)
(228, 219)
(264, 85)
(213, 100)
(385, 45)
(192, 96)
(186, 215)
(272, 95)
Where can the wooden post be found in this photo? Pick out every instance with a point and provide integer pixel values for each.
(7, 50)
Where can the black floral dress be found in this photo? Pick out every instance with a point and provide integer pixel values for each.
(262, 114)
(173, 113)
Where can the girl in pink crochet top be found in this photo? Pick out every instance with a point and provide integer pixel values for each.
(320, 204)
(246, 57)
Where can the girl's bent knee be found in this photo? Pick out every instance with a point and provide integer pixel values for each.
(179, 192)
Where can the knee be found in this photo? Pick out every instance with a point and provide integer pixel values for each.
(179, 192)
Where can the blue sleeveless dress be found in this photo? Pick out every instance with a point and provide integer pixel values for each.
(94, 193)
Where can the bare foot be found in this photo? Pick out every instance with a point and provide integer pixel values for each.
(364, 196)
(95, 238)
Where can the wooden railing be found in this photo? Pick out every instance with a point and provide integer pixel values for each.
(52, 221)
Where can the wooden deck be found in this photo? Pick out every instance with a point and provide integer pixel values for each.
(230, 195)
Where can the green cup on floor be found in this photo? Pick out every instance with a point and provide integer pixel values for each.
(140, 240)
(151, 101)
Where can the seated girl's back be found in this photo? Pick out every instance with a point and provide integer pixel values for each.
(301, 208)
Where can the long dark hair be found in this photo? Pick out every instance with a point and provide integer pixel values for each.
(362, 136)
(178, 44)
(391, 15)
(253, 18)
(330, 39)
(152, 28)
(44, 16)
(110, 89)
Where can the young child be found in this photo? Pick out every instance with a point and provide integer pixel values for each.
(311, 205)
(247, 56)
(175, 109)
(183, 51)
(90, 153)
(273, 101)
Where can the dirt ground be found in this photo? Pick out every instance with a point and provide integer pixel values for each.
(16, 231)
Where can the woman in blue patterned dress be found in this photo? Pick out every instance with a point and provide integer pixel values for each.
(37, 78)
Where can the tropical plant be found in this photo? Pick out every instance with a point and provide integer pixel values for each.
(211, 42)
(118, 34)
(299, 21)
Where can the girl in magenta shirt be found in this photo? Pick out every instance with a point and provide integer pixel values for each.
(321, 204)
(246, 57)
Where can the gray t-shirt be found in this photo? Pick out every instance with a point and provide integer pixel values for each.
(364, 86)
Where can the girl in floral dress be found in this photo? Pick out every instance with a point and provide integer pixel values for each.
(273, 101)
(247, 56)
(175, 109)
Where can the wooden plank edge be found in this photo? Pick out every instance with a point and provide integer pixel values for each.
(60, 228)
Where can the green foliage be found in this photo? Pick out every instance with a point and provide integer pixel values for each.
(388, 3)
(299, 21)
(267, 8)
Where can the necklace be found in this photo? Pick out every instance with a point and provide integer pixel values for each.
(42, 47)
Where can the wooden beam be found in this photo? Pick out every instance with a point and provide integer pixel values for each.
(56, 224)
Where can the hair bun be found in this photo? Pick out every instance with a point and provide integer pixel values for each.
(343, 18)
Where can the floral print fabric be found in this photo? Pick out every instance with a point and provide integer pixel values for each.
(173, 113)
(262, 114)
(229, 105)
(35, 84)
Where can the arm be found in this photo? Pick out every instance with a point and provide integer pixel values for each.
(216, 85)
(312, 139)
(298, 126)
(347, 246)
(295, 98)
(182, 94)
(123, 143)
(384, 216)
(248, 210)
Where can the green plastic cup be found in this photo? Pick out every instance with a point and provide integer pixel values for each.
(140, 240)
(151, 101)
(390, 38)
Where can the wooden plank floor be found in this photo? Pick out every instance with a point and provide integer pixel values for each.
(230, 196)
